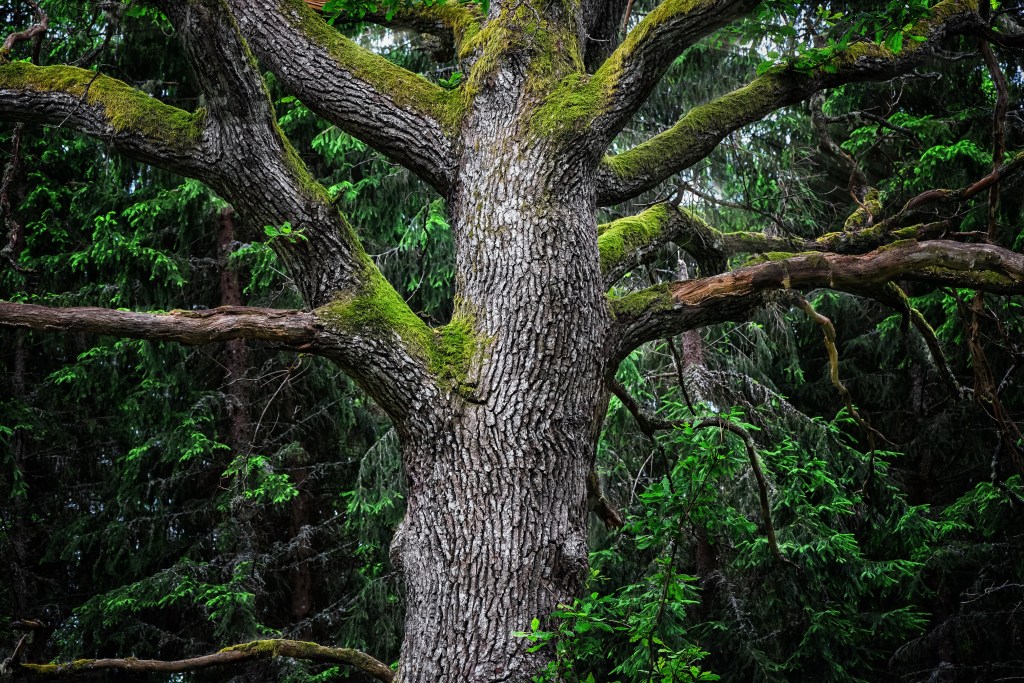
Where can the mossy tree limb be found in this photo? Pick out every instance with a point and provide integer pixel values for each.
(696, 134)
(669, 309)
(135, 123)
(259, 649)
(636, 66)
(397, 112)
(629, 242)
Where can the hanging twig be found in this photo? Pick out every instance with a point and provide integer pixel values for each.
(829, 332)
(649, 425)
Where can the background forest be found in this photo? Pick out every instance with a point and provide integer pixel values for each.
(163, 501)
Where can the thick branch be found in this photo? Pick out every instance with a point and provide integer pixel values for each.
(673, 308)
(296, 329)
(452, 23)
(697, 134)
(133, 122)
(628, 242)
(398, 113)
(260, 649)
(632, 71)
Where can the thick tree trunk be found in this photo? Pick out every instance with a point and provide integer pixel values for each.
(496, 529)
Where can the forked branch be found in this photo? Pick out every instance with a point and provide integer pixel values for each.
(259, 649)
(673, 308)
(698, 133)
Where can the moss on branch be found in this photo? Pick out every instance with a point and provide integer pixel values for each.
(620, 239)
(378, 310)
(406, 89)
(126, 109)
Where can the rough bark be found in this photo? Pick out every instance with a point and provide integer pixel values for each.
(495, 533)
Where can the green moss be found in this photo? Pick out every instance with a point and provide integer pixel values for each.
(651, 300)
(572, 105)
(897, 244)
(51, 669)
(127, 109)
(618, 239)
(380, 310)
(864, 215)
(715, 118)
(463, 20)
(404, 87)
(274, 648)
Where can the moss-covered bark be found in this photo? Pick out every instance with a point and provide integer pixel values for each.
(125, 108)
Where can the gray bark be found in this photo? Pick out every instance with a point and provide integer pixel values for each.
(495, 533)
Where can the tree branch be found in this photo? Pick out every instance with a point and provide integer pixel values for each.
(133, 122)
(696, 135)
(398, 113)
(34, 33)
(632, 71)
(679, 306)
(294, 329)
(628, 242)
(259, 649)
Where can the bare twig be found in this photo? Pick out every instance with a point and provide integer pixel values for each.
(259, 649)
(33, 33)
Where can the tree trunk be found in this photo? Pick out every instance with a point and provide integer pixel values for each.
(496, 529)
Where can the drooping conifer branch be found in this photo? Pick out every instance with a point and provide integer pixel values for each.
(672, 308)
(397, 112)
(697, 134)
(246, 652)
(650, 425)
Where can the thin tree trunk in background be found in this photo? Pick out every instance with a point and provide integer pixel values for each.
(236, 353)
(302, 574)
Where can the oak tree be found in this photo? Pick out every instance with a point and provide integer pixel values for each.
(499, 410)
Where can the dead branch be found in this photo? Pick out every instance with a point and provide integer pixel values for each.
(258, 649)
